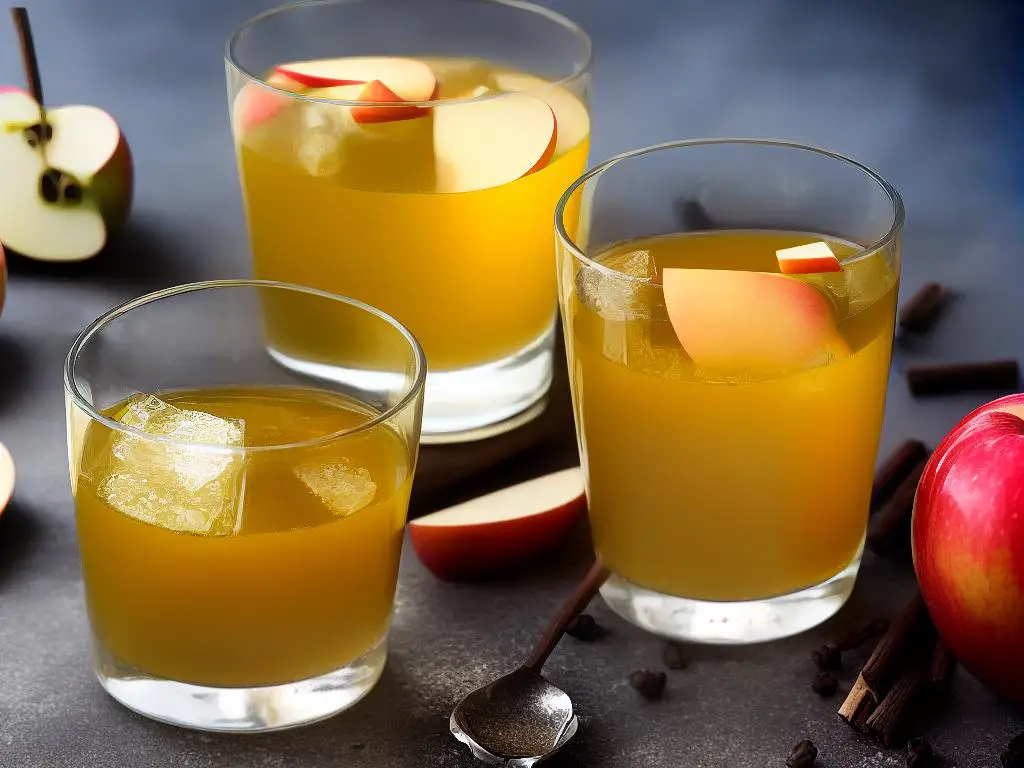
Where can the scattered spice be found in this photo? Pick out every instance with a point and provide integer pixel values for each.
(894, 469)
(803, 755)
(674, 657)
(586, 629)
(889, 531)
(648, 683)
(924, 308)
(998, 375)
(1013, 755)
(827, 657)
(825, 684)
(920, 753)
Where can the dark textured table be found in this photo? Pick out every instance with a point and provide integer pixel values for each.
(924, 92)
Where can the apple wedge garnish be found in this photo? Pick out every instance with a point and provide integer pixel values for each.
(571, 116)
(807, 259)
(482, 144)
(410, 79)
(728, 319)
(256, 104)
(6, 477)
(499, 531)
(377, 91)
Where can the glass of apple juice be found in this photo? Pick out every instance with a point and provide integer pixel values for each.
(728, 308)
(410, 154)
(239, 526)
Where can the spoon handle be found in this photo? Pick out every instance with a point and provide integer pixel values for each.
(570, 610)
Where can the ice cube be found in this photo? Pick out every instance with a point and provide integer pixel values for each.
(868, 280)
(618, 298)
(342, 488)
(181, 486)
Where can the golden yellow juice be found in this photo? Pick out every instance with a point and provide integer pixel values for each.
(243, 568)
(373, 211)
(727, 480)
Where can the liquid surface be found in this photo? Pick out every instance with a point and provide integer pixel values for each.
(737, 476)
(245, 568)
(355, 210)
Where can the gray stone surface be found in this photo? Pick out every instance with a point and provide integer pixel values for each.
(924, 92)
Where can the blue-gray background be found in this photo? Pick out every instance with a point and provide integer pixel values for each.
(928, 93)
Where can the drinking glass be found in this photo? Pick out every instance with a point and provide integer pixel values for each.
(409, 154)
(240, 525)
(729, 415)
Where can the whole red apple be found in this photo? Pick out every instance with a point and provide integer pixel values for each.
(968, 537)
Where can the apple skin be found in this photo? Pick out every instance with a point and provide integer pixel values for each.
(968, 543)
(477, 551)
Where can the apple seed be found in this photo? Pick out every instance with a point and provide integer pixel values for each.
(59, 187)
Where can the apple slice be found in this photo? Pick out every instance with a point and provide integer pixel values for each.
(501, 530)
(65, 192)
(377, 91)
(6, 477)
(483, 144)
(412, 80)
(730, 319)
(807, 259)
(256, 104)
(571, 116)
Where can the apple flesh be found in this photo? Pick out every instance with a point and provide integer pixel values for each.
(571, 116)
(807, 259)
(968, 543)
(67, 188)
(6, 477)
(736, 320)
(256, 104)
(500, 531)
(409, 79)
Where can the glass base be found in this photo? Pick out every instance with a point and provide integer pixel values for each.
(267, 708)
(465, 404)
(730, 623)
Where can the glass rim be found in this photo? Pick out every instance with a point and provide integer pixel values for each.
(563, 21)
(898, 211)
(71, 388)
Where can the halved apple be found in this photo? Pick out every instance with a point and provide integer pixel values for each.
(807, 259)
(6, 477)
(482, 144)
(410, 79)
(738, 320)
(501, 530)
(256, 104)
(571, 114)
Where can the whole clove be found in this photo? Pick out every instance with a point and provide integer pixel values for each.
(586, 629)
(648, 683)
(803, 755)
(920, 753)
(994, 375)
(674, 657)
(825, 684)
(827, 657)
(1013, 755)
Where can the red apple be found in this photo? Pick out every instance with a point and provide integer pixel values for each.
(6, 477)
(501, 530)
(482, 144)
(734, 320)
(807, 259)
(968, 538)
(410, 79)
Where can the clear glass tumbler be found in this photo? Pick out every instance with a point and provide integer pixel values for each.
(240, 525)
(728, 308)
(409, 154)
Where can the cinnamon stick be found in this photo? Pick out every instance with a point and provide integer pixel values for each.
(942, 666)
(923, 309)
(998, 375)
(902, 640)
(894, 469)
(859, 705)
(898, 708)
(889, 532)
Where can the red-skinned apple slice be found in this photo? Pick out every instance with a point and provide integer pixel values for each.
(6, 477)
(256, 104)
(501, 530)
(482, 144)
(377, 91)
(60, 201)
(410, 79)
(571, 116)
(807, 259)
(732, 319)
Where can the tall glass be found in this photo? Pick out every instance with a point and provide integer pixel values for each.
(240, 525)
(409, 154)
(728, 309)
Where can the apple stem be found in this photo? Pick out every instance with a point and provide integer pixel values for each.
(28, 59)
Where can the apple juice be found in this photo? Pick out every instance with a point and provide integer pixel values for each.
(238, 568)
(727, 459)
(440, 215)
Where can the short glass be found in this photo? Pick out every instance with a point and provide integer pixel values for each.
(728, 415)
(239, 526)
(437, 208)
